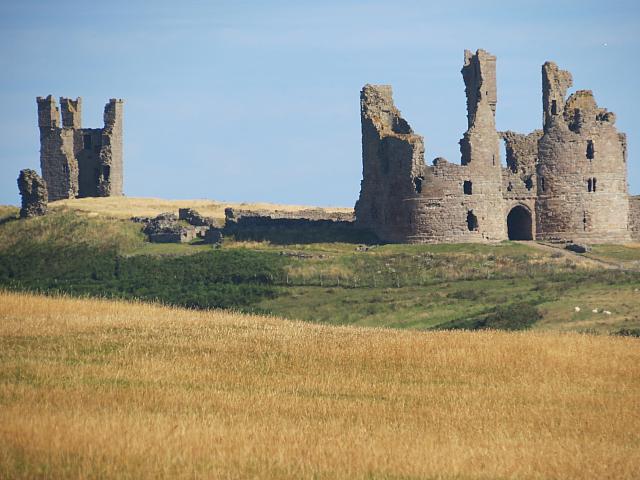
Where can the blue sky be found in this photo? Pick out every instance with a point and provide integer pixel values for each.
(259, 101)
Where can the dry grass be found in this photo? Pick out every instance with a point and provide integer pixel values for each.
(111, 389)
(126, 207)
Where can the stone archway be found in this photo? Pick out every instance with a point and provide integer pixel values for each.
(519, 223)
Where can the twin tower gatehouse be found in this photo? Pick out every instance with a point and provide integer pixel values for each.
(566, 182)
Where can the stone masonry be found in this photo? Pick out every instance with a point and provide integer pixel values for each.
(634, 217)
(76, 161)
(566, 182)
(33, 190)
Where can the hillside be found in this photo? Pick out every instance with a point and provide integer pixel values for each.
(88, 247)
(94, 388)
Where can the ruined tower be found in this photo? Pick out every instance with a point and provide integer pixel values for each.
(76, 161)
(582, 171)
(480, 146)
(566, 182)
(393, 165)
(404, 200)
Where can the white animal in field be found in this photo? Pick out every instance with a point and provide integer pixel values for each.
(577, 309)
(606, 312)
(595, 310)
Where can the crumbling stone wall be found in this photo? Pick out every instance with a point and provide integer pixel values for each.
(304, 226)
(33, 190)
(634, 218)
(76, 161)
(566, 182)
(110, 173)
(393, 165)
(194, 218)
(519, 178)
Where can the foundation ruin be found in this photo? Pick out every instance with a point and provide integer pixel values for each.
(566, 182)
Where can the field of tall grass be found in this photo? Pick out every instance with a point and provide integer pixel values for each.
(127, 207)
(96, 388)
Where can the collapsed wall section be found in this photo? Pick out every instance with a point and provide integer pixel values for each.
(634, 217)
(392, 166)
(33, 190)
(519, 179)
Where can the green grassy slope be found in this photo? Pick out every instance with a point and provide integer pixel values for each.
(508, 285)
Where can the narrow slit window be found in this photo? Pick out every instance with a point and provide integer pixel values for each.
(589, 185)
(417, 182)
(472, 221)
(590, 150)
(594, 184)
(528, 183)
(542, 185)
(554, 107)
(467, 187)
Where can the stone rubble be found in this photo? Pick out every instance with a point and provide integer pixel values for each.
(184, 228)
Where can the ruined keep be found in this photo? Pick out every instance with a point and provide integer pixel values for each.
(33, 190)
(566, 182)
(76, 161)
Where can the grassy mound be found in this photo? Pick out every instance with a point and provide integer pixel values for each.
(507, 285)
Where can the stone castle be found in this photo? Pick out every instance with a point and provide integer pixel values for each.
(566, 182)
(76, 161)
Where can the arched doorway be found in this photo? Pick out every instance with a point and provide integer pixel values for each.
(519, 225)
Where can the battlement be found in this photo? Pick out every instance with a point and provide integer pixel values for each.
(71, 112)
(48, 112)
(113, 112)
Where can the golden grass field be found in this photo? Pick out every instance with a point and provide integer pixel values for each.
(126, 207)
(94, 389)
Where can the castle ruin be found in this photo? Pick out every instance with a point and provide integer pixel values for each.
(76, 161)
(566, 182)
